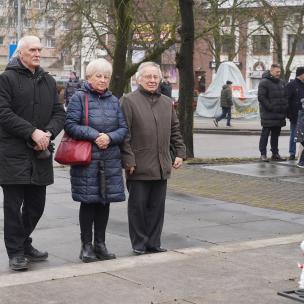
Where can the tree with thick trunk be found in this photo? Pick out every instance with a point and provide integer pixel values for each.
(123, 26)
(184, 62)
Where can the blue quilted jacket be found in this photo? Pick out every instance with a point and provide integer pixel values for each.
(101, 181)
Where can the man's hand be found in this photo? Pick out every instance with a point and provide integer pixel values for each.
(103, 141)
(130, 169)
(177, 163)
(41, 138)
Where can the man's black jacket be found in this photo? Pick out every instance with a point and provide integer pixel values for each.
(27, 101)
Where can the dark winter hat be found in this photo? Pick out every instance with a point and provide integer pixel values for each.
(299, 71)
(228, 82)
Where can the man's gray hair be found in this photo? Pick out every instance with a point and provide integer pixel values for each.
(99, 65)
(144, 65)
(25, 40)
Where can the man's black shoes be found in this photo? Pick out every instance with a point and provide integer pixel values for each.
(264, 158)
(277, 157)
(18, 263)
(139, 252)
(156, 249)
(34, 255)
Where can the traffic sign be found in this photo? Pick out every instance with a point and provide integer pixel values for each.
(12, 49)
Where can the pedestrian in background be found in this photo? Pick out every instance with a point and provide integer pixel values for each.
(71, 87)
(273, 102)
(295, 92)
(166, 87)
(30, 116)
(98, 184)
(153, 126)
(226, 104)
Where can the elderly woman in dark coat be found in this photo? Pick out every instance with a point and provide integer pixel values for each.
(100, 182)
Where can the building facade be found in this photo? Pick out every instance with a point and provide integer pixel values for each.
(255, 42)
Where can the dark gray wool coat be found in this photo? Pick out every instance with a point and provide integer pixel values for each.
(105, 116)
(27, 101)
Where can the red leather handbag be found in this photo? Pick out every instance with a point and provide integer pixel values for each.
(72, 151)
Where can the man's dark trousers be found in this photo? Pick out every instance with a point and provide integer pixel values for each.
(146, 207)
(274, 139)
(23, 207)
(226, 112)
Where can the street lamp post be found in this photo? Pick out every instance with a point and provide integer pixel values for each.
(18, 20)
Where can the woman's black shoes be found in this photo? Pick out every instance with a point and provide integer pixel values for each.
(87, 254)
(102, 253)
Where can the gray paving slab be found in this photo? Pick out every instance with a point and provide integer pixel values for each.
(242, 276)
(260, 170)
(216, 145)
(239, 273)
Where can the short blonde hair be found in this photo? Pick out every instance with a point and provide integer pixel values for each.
(99, 65)
(144, 65)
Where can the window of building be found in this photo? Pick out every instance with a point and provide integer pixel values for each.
(39, 4)
(50, 23)
(300, 44)
(50, 43)
(228, 44)
(2, 21)
(227, 21)
(297, 18)
(1, 40)
(27, 22)
(260, 44)
(11, 22)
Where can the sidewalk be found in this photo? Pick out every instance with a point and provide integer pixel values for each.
(222, 247)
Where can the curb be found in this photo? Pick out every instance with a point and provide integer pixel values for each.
(234, 131)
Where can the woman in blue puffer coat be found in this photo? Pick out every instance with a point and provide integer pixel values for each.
(100, 182)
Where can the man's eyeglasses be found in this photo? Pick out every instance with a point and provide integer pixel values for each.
(150, 77)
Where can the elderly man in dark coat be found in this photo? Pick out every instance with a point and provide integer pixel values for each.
(153, 126)
(30, 116)
(273, 110)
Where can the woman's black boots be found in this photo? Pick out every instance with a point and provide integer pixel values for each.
(102, 253)
(87, 254)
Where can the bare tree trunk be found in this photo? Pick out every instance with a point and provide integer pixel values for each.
(123, 23)
(186, 78)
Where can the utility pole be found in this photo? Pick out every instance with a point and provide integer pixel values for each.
(18, 20)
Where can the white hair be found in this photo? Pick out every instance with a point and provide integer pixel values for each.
(99, 65)
(25, 40)
(145, 65)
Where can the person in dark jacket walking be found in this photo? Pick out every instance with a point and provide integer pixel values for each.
(273, 101)
(153, 126)
(98, 184)
(226, 104)
(295, 92)
(71, 87)
(30, 116)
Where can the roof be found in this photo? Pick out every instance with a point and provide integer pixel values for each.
(257, 3)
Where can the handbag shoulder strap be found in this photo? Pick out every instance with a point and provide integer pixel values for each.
(86, 109)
